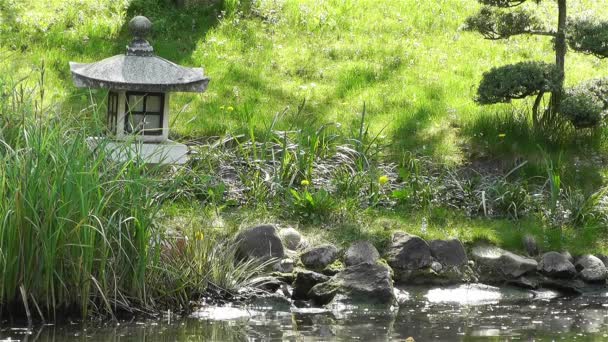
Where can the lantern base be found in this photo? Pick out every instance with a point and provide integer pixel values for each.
(167, 152)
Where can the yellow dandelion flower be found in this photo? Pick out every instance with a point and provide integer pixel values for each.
(305, 182)
(502, 135)
(199, 236)
(383, 179)
(230, 108)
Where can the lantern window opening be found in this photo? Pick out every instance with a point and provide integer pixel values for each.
(112, 112)
(145, 113)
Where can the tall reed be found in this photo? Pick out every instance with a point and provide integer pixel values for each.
(74, 227)
(79, 232)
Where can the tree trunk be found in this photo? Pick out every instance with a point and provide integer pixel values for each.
(535, 116)
(560, 60)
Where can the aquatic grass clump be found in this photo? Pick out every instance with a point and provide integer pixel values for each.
(74, 228)
(80, 233)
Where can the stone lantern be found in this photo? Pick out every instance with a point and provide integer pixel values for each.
(139, 85)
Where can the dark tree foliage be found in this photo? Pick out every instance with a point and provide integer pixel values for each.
(504, 3)
(590, 37)
(517, 81)
(497, 19)
(500, 24)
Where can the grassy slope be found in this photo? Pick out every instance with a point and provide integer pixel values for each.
(407, 60)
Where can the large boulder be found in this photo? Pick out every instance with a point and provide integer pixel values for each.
(317, 258)
(496, 266)
(292, 239)
(260, 242)
(362, 284)
(304, 281)
(556, 265)
(408, 252)
(604, 258)
(448, 252)
(591, 269)
(513, 265)
(361, 252)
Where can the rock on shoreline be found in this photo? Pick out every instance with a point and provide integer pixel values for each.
(361, 277)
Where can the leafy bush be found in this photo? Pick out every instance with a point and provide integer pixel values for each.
(586, 104)
(509, 198)
(314, 206)
(583, 110)
(517, 81)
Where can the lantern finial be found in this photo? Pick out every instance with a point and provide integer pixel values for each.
(140, 27)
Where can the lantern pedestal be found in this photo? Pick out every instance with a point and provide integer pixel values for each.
(167, 152)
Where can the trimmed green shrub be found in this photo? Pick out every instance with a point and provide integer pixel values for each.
(586, 104)
(516, 81)
(589, 37)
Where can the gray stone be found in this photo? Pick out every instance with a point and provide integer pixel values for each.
(259, 242)
(317, 258)
(436, 266)
(556, 265)
(604, 258)
(408, 252)
(495, 265)
(304, 281)
(448, 252)
(530, 245)
(284, 266)
(362, 284)
(361, 252)
(291, 238)
(513, 265)
(591, 269)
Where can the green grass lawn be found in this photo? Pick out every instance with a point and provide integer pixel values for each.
(408, 61)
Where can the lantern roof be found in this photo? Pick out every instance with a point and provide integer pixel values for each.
(139, 69)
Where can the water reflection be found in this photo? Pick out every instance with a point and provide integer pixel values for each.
(450, 314)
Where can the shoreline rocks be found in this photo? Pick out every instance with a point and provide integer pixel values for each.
(408, 253)
(259, 242)
(591, 269)
(318, 258)
(361, 284)
(304, 281)
(448, 252)
(556, 265)
(361, 252)
(361, 277)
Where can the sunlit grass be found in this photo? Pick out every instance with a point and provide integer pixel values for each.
(409, 61)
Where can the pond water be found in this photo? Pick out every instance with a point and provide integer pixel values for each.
(461, 313)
